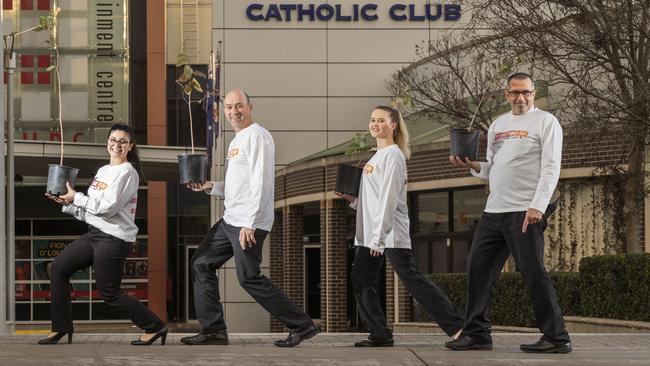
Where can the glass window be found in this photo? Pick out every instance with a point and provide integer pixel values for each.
(468, 206)
(433, 213)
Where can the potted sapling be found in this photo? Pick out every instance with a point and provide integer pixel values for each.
(58, 174)
(192, 168)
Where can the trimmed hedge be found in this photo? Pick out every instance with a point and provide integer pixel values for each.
(616, 287)
(510, 303)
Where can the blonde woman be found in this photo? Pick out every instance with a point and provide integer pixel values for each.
(383, 228)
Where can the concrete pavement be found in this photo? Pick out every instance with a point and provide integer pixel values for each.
(324, 349)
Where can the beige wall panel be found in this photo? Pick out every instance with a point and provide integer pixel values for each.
(233, 290)
(218, 13)
(337, 138)
(292, 146)
(290, 113)
(378, 45)
(351, 113)
(303, 80)
(246, 318)
(291, 45)
(363, 80)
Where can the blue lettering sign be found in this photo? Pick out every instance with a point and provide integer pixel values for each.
(287, 10)
(309, 12)
(366, 12)
(273, 12)
(254, 7)
(341, 13)
(452, 12)
(325, 12)
(394, 12)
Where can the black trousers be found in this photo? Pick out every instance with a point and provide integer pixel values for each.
(222, 243)
(365, 272)
(107, 255)
(497, 236)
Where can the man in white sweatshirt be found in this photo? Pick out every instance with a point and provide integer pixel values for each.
(524, 152)
(248, 217)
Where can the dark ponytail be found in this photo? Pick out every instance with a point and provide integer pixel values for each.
(132, 156)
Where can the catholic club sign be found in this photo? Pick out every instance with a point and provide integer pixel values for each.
(352, 12)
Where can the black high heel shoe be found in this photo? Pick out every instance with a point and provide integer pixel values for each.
(55, 338)
(162, 334)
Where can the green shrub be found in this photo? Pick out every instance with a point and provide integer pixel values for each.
(616, 286)
(510, 303)
(612, 286)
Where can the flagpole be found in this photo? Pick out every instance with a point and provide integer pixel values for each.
(218, 153)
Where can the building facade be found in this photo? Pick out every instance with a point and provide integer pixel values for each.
(313, 70)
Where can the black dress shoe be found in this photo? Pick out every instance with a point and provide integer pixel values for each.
(546, 346)
(55, 338)
(388, 342)
(466, 343)
(162, 334)
(220, 338)
(296, 336)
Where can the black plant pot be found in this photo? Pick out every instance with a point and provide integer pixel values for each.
(192, 168)
(348, 180)
(57, 176)
(464, 143)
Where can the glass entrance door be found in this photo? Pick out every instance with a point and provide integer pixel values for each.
(190, 314)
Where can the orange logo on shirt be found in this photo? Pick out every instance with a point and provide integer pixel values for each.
(509, 134)
(368, 169)
(232, 154)
(99, 185)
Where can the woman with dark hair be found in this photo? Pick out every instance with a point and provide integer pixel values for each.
(383, 228)
(109, 210)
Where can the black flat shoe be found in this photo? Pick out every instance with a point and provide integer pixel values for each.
(219, 338)
(546, 346)
(376, 343)
(55, 338)
(467, 343)
(162, 334)
(296, 336)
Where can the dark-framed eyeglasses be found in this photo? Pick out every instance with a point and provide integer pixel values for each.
(517, 93)
(113, 141)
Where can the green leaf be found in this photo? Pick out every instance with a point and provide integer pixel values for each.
(50, 68)
(197, 86)
(43, 22)
(200, 74)
(183, 78)
(187, 71)
(187, 88)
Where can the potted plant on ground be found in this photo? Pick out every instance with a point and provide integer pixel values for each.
(192, 168)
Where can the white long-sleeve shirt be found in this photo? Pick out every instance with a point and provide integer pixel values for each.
(250, 179)
(524, 154)
(111, 201)
(382, 213)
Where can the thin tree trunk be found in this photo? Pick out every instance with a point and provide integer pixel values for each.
(634, 194)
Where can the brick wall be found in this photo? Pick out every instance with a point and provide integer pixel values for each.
(276, 237)
(293, 255)
(431, 162)
(334, 283)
